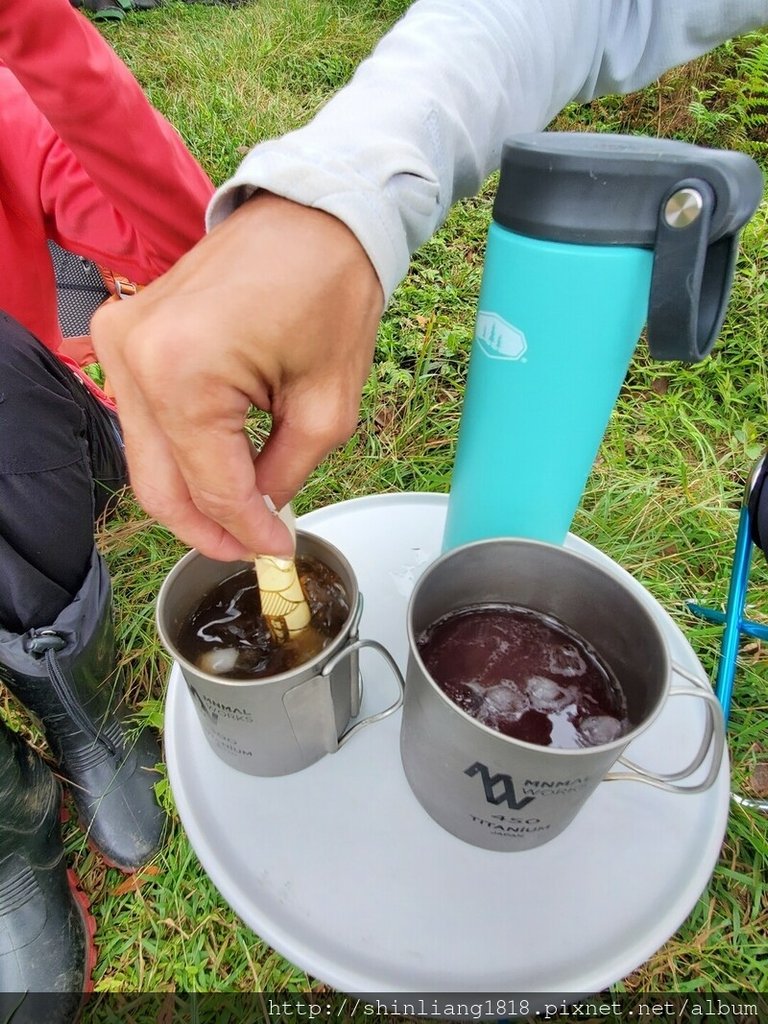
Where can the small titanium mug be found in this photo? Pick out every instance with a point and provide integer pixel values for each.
(501, 793)
(278, 724)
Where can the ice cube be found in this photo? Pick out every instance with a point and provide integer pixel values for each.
(218, 661)
(565, 660)
(547, 695)
(600, 729)
(505, 700)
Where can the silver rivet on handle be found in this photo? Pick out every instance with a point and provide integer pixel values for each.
(683, 208)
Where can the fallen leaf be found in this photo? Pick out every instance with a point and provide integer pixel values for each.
(136, 880)
(384, 417)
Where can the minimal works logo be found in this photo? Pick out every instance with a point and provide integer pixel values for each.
(208, 711)
(215, 709)
(492, 782)
(499, 339)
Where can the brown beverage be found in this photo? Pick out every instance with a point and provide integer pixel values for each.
(227, 635)
(525, 674)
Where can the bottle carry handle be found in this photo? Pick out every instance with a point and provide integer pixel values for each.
(692, 277)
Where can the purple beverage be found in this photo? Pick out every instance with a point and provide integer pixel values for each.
(525, 674)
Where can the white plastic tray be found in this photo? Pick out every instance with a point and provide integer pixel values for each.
(341, 871)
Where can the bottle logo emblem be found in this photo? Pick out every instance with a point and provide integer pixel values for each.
(499, 339)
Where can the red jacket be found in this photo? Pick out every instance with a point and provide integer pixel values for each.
(85, 161)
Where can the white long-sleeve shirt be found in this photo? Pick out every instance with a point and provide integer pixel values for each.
(422, 122)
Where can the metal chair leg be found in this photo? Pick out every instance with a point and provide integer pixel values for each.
(733, 618)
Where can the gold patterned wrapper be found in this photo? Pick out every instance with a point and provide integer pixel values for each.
(283, 603)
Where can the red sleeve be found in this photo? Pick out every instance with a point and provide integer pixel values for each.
(117, 183)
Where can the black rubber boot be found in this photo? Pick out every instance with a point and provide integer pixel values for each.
(105, 10)
(65, 675)
(45, 931)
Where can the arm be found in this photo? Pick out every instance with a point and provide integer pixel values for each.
(279, 304)
(147, 205)
(424, 119)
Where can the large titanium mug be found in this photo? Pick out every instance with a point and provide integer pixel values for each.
(282, 723)
(505, 794)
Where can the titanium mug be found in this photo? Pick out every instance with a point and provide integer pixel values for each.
(502, 793)
(274, 725)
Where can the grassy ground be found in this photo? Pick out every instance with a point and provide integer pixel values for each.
(663, 498)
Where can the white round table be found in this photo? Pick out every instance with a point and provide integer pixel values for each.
(342, 872)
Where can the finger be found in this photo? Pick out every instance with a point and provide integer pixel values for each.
(158, 484)
(151, 461)
(296, 446)
(218, 473)
(205, 494)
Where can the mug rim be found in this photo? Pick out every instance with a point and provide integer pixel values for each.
(620, 742)
(313, 666)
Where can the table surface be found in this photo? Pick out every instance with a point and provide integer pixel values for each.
(342, 872)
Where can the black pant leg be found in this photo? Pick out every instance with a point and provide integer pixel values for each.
(60, 461)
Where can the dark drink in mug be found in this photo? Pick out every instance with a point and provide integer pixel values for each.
(526, 675)
(227, 635)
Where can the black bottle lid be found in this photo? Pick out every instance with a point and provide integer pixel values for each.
(685, 202)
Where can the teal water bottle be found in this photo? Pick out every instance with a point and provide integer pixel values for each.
(592, 238)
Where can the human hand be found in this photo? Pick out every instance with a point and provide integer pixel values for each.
(277, 307)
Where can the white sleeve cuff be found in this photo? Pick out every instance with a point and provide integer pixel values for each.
(314, 181)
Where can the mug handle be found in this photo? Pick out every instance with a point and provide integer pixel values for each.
(345, 652)
(715, 727)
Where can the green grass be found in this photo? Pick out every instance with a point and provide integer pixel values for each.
(663, 498)
(230, 78)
